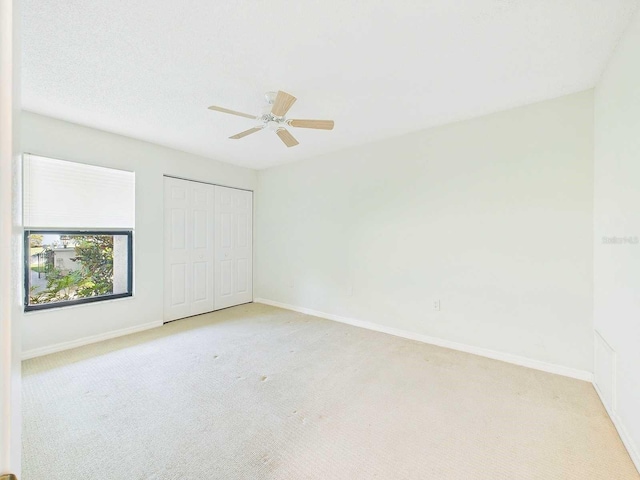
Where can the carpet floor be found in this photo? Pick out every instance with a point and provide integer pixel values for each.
(256, 392)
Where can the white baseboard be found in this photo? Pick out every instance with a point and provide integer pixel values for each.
(483, 352)
(59, 347)
(634, 453)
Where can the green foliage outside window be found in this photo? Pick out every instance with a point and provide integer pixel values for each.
(94, 277)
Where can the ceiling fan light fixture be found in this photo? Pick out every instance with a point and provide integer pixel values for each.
(273, 117)
(270, 97)
(274, 126)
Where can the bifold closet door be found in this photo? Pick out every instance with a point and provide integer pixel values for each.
(188, 248)
(233, 247)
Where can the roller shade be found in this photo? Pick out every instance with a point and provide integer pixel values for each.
(61, 194)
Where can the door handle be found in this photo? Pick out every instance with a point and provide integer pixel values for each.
(8, 476)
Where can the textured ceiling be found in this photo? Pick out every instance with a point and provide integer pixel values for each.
(149, 68)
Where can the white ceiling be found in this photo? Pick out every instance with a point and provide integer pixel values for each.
(149, 68)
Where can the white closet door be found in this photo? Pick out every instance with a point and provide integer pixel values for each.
(188, 245)
(233, 250)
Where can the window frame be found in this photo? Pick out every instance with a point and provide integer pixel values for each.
(66, 303)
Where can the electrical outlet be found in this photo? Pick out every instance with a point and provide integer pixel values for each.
(436, 305)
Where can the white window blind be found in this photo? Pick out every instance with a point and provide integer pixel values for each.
(61, 194)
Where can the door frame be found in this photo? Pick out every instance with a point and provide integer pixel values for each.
(10, 233)
(208, 183)
(253, 229)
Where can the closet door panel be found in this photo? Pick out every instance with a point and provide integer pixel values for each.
(188, 248)
(202, 257)
(233, 252)
(176, 250)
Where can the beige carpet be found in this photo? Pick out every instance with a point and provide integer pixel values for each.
(255, 392)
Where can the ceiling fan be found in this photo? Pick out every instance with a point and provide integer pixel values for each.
(273, 117)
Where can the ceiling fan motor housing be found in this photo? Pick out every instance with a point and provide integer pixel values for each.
(274, 125)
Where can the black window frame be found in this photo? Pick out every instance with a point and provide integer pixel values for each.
(79, 301)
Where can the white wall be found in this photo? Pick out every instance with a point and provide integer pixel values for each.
(10, 238)
(492, 216)
(58, 139)
(617, 214)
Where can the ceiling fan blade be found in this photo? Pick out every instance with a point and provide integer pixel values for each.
(232, 112)
(286, 137)
(246, 132)
(282, 104)
(318, 124)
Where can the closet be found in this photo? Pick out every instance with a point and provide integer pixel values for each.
(207, 247)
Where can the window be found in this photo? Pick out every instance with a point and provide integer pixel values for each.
(78, 239)
(64, 268)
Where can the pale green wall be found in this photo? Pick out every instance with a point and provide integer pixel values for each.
(617, 214)
(492, 216)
